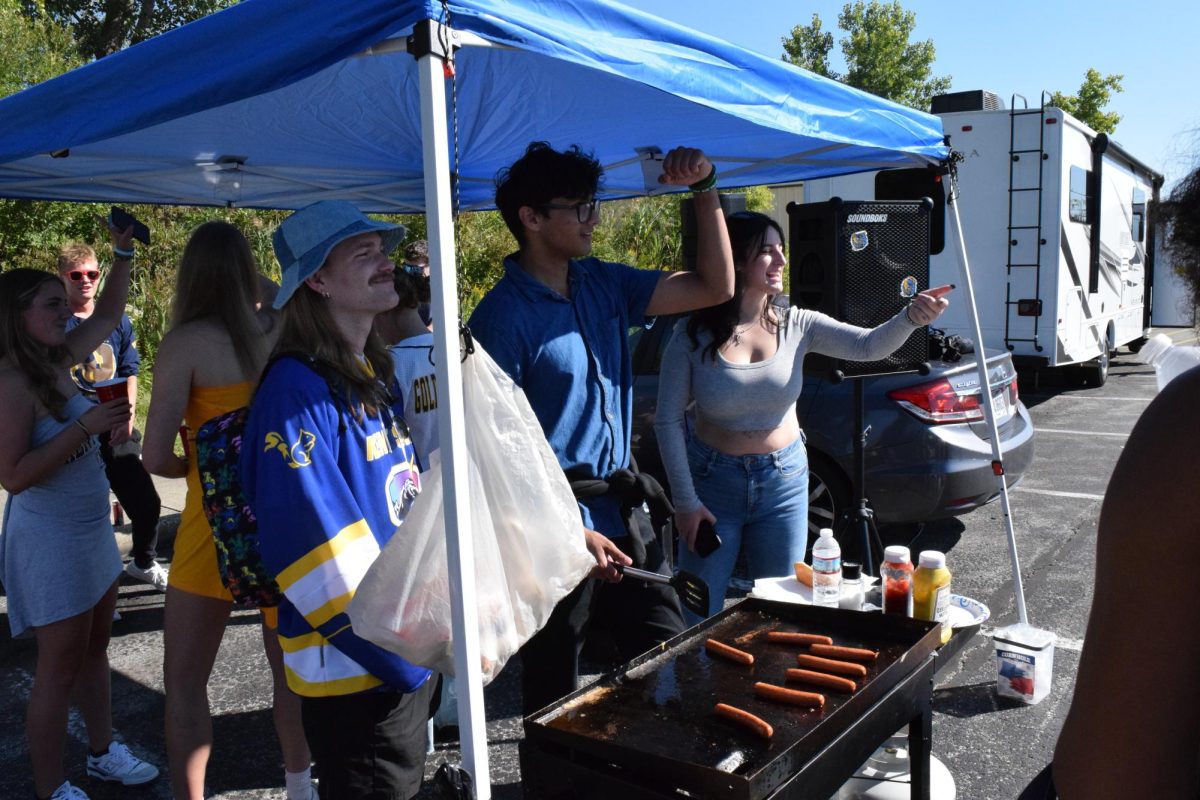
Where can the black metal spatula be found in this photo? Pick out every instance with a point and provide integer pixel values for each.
(692, 590)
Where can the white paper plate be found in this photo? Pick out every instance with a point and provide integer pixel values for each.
(965, 612)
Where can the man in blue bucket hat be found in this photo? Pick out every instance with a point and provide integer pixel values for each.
(304, 240)
(331, 472)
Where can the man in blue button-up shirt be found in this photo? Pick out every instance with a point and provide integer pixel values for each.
(557, 323)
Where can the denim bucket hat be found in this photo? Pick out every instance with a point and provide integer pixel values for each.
(302, 241)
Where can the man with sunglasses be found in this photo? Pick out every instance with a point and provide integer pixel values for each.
(557, 323)
(116, 357)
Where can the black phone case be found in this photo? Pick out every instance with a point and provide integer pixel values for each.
(122, 220)
(707, 539)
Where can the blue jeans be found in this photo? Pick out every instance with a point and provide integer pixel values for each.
(761, 506)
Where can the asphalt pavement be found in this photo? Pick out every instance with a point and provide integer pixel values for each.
(991, 746)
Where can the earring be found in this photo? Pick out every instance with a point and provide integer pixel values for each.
(325, 295)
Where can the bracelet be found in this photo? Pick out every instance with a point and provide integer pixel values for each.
(83, 428)
(123, 255)
(707, 184)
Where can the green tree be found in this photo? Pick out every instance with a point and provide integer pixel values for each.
(808, 48)
(1087, 105)
(31, 49)
(102, 27)
(880, 58)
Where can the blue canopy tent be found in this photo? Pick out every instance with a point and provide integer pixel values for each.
(279, 103)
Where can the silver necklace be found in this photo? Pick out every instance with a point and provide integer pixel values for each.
(737, 333)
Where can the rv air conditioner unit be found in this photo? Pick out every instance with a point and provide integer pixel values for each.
(974, 100)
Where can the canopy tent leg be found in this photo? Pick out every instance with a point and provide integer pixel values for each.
(985, 401)
(451, 418)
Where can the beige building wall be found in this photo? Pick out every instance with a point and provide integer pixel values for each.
(784, 194)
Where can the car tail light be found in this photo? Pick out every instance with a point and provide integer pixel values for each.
(937, 403)
(1012, 392)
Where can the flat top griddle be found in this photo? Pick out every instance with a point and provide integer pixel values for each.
(653, 716)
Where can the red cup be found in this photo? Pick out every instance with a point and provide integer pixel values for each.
(112, 389)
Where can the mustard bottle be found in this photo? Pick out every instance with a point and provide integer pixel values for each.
(931, 590)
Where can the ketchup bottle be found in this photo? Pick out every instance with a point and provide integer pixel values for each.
(897, 572)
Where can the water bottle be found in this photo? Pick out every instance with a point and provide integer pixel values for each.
(827, 570)
(1168, 359)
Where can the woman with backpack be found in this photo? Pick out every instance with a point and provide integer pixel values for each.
(58, 559)
(329, 468)
(208, 364)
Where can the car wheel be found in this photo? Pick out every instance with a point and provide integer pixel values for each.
(828, 495)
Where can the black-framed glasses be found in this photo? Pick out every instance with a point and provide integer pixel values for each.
(584, 211)
(77, 275)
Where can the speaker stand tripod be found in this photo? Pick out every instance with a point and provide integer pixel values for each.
(863, 515)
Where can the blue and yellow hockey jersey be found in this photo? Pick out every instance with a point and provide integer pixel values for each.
(326, 502)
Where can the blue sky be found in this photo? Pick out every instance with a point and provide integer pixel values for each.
(1023, 47)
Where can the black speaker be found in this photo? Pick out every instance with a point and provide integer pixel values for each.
(849, 259)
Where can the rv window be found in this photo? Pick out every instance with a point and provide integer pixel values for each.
(1078, 203)
(913, 184)
(1137, 219)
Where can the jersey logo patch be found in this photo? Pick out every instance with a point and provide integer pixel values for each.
(295, 455)
(403, 484)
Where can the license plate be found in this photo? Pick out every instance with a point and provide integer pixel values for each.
(1001, 410)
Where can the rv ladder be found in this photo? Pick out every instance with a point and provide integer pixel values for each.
(1015, 232)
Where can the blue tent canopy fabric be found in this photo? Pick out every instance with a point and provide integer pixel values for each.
(278, 103)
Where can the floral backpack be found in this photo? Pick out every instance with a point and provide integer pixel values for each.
(234, 526)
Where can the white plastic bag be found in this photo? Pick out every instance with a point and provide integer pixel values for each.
(525, 524)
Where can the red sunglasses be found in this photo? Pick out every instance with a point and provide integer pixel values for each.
(78, 275)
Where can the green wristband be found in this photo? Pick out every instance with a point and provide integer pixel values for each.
(707, 184)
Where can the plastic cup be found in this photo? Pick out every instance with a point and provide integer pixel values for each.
(112, 389)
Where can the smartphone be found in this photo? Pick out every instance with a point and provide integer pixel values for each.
(122, 219)
(706, 539)
(651, 158)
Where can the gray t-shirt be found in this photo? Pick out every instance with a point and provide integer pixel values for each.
(757, 396)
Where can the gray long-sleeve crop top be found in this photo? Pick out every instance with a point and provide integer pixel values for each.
(756, 396)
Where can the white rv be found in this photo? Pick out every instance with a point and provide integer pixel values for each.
(1057, 230)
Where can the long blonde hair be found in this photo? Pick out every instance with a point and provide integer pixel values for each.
(218, 280)
(308, 328)
(38, 362)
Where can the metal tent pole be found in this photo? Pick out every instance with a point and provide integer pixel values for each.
(985, 400)
(452, 423)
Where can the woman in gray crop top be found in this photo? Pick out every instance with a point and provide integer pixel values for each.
(743, 467)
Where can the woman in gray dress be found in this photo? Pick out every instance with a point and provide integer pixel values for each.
(58, 557)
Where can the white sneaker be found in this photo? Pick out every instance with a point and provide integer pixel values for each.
(68, 792)
(121, 766)
(155, 574)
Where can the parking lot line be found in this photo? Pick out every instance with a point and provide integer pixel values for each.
(1081, 433)
(1054, 493)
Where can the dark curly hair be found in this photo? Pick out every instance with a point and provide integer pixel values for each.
(1181, 214)
(541, 175)
(413, 289)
